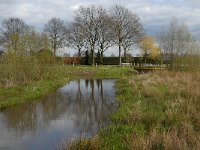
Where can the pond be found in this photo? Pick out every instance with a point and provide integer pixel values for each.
(77, 109)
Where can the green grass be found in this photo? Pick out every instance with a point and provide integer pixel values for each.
(99, 71)
(20, 94)
(114, 137)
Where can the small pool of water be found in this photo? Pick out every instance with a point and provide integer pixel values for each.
(77, 109)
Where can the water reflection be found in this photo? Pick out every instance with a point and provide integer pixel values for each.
(79, 108)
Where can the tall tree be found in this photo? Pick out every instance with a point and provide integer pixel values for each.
(106, 36)
(74, 37)
(88, 18)
(126, 26)
(131, 42)
(11, 32)
(175, 41)
(56, 31)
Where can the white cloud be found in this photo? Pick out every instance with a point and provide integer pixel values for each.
(75, 7)
(154, 14)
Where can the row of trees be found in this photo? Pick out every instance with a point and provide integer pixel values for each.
(18, 37)
(27, 56)
(94, 29)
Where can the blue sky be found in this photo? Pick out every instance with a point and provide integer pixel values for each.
(154, 14)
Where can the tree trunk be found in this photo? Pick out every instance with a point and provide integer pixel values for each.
(120, 57)
(125, 53)
(145, 59)
(93, 54)
(79, 52)
(54, 50)
(101, 57)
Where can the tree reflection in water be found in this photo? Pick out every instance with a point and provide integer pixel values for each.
(83, 106)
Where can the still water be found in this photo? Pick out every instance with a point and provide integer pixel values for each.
(78, 109)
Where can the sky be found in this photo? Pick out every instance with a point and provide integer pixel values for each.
(154, 14)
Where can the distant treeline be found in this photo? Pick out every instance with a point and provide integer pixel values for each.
(108, 61)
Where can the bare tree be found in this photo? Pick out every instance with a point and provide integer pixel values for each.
(106, 36)
(74, 37)
(56, 31)
(167, 39)
(88, 18)
(184, 39)
(12, 30)
(133, 38)
(126, 26)
(175, 41)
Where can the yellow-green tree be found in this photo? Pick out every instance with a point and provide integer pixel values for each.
(149, 48)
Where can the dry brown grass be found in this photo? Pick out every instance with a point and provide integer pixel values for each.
(168, 140)
(170, 107)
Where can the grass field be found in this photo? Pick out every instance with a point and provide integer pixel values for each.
(159, 110)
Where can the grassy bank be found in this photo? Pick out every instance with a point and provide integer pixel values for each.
(20, 94)
(99, 71)
(157, 111)
(24, 78)
(32, 90)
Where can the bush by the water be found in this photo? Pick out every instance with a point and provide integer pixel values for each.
(23, 69)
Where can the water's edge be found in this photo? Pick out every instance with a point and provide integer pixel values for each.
(75, 110)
